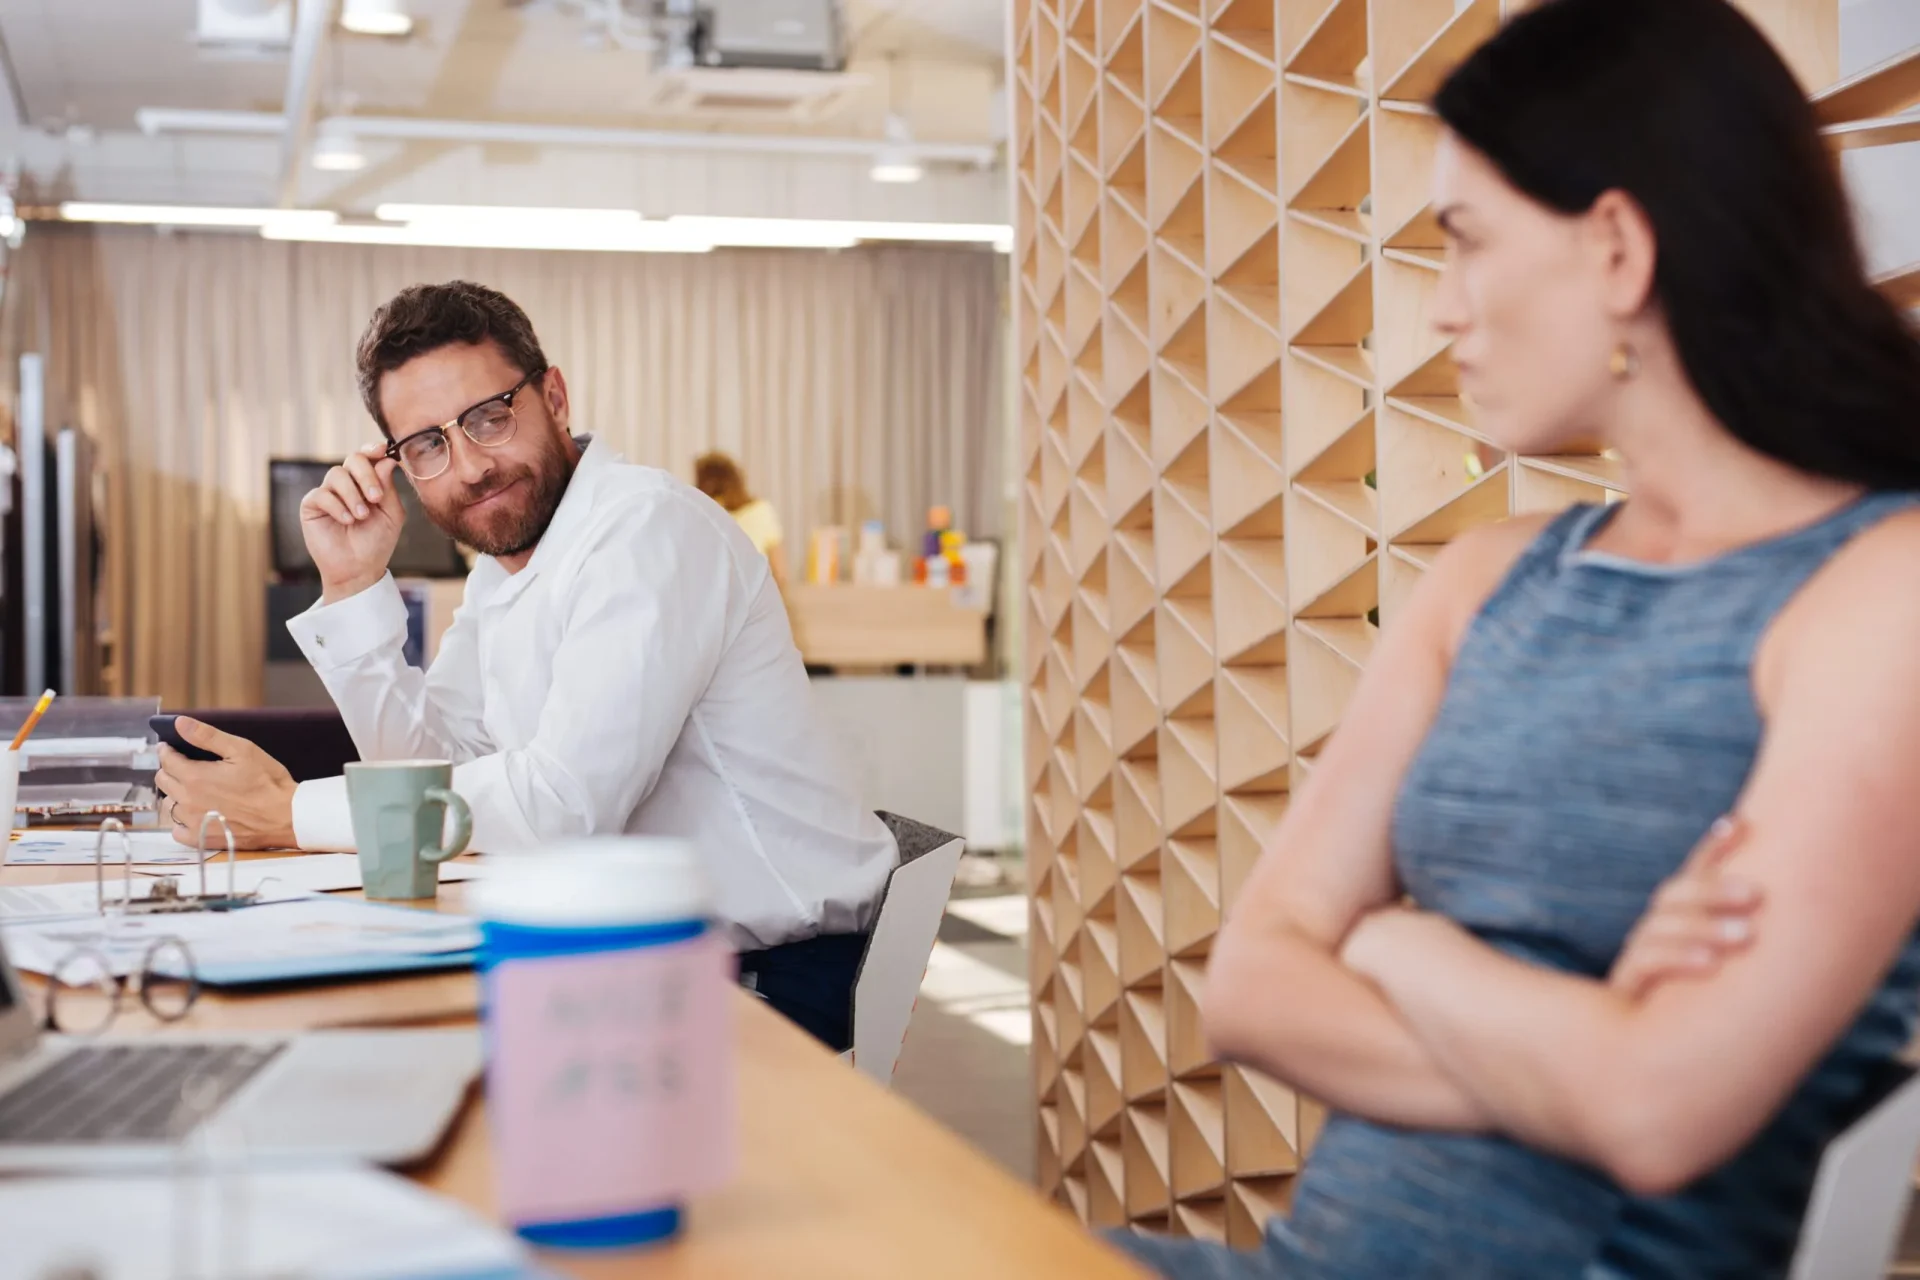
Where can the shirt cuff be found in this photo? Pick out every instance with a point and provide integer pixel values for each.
(322, 819)
(341, 633)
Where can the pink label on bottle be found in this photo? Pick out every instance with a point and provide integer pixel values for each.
(610, 1080)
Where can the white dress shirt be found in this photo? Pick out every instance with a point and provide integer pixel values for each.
(638, 675)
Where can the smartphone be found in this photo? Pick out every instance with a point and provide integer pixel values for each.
(168, 732)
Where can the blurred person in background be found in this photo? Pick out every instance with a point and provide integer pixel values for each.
(1595, 922)
(719, 477)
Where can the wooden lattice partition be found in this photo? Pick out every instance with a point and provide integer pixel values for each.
(1242, 446)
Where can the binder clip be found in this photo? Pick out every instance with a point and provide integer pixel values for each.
(166, 896)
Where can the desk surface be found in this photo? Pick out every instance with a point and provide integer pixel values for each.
(839, 1179)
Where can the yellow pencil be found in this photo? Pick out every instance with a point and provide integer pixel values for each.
(33, 720)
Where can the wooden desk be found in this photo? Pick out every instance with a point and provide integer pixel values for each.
(839, 1179)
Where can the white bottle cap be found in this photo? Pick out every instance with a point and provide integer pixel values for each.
(593, 883)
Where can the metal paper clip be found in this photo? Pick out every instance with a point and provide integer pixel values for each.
(166, 896)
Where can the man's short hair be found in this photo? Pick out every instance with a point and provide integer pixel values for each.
(426, 317)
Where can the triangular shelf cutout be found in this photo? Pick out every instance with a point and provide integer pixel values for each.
(1250, 713)
(1250, 611)
(1262, 1121)
(1352, 639)
(1187, 787)
(1184, 230)
(1129, 470)
(1086, 249)
(1247, 827)
(1179, 412)
(1435, 376)
(1177, 289)
(1130, 295)
(1353, 596)
(1245, 476)
(1173, 37)
(1098, 873)
(1465, 31)
(1083, 194)
(1197, 1141)
(1130, 591)
(1350, 364)
(1186, 478)
(1136, 811)
(1096, 765)
(1083, 25)
(1349, 455)
(1323, 552)
(1336, 46)
(1241, 219)
(1181, 537)
(1243, 347)
(1190, 882)
(1249, 24)
(1443, 411)
(1252, 150)
(1083, 309)
(1235, 85)
(1342, 180)
(1183, 108)
(1184, 657)
(1428, 469)
(1125, 359)
(1202, 1218)
(1186, 1038)
(1102, 1057)
(1127, 183)
(1348, 224)
(1127, 65)
(1320, 683)
(1346, 318)
(1141, 953)
(1176, 166)
(1143, 1152)
(1183, 360)
(1082, 87)
(1116, 17)
(1121, 122)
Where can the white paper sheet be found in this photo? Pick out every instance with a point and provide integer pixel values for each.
(309, 927)
(75, 848)
(336, 1224)
(273, 879)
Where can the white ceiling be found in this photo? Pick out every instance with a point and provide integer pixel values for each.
(83, 68)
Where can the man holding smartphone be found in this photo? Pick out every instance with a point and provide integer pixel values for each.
(622, 661)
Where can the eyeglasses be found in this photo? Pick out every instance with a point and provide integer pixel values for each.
(489, 424)
(84, 993)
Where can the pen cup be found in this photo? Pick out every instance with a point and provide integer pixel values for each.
(608, 1028)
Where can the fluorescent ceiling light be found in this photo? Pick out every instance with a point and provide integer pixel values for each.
(897, 169)
(375, 18)
(765, 233)
(654, 237)
(496, 216)
(337, 153)
(193, 215)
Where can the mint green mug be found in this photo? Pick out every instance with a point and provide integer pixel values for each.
(400, 809)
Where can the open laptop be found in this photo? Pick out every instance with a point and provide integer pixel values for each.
(65, 1103)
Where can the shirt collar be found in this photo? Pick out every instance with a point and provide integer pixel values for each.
(568, 518)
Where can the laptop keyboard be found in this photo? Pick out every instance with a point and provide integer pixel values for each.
(127, 1093)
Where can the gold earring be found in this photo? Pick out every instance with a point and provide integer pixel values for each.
(1624, 363)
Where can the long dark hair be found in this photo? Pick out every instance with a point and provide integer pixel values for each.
(1685, 107)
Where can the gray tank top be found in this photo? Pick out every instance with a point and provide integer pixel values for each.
(1598, 718)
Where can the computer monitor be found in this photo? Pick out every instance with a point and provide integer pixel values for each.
(423, 551)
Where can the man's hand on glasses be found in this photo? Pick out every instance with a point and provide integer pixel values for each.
(352, 523)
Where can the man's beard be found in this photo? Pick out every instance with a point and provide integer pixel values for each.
(517, 525)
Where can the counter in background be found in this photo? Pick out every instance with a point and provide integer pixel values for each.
(843, 625)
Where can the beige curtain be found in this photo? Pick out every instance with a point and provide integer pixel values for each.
(852, 385)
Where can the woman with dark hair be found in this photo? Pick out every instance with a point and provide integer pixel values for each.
(720, 478)
(1596, 921)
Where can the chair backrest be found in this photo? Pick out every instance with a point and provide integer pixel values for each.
(1862, 1191)
(904, 929)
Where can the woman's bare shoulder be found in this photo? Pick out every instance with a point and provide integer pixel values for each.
(1473, 564)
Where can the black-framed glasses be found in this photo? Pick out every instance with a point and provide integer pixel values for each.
(489, 424)
(84, 994)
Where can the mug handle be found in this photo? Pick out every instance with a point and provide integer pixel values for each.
(456, 808)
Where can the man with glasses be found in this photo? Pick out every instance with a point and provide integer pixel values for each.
(622, 661)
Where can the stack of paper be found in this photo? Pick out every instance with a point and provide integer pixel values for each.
(340, 1224)
(307, 937)
(76, 848)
